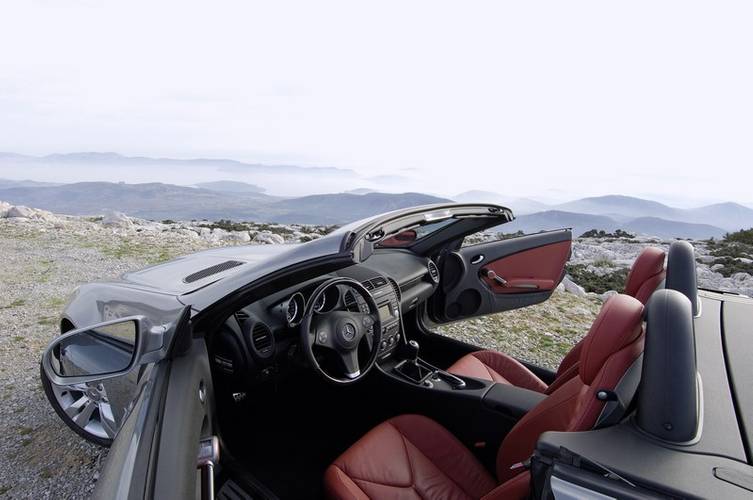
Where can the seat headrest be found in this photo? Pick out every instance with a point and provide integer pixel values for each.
(619, 323)
(647, 265)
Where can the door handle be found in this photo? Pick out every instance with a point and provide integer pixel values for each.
(494, 277)
(477, 259)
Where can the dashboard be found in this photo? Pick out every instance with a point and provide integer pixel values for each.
(252, 342)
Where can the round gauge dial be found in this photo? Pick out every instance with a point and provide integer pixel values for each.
(320, 303)
(293, 309)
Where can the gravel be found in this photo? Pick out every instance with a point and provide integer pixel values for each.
(41, 457)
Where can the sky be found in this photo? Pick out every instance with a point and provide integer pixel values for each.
(553, 100)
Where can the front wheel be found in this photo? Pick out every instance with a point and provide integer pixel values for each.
(85, 408)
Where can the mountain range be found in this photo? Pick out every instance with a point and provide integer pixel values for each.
(167, 201)
(351, 196)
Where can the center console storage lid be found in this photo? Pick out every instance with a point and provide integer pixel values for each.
(511, 400)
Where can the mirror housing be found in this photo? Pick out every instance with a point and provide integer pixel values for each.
(102, 351)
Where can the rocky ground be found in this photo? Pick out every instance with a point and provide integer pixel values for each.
(45, 256)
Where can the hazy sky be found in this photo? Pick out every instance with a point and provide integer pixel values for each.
(551, 99)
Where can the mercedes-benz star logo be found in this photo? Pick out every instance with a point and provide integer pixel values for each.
(349, 331)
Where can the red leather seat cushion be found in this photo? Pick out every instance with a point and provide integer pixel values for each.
(497, 367)
(407, 457)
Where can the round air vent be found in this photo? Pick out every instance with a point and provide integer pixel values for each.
(260, 339)
(433, 271)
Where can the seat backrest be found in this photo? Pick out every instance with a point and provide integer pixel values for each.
(646, 274)
(613, 343)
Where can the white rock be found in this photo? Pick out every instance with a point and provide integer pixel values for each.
(609, 293)
(716, 267)
(20, 211)
(560, 288)
(740, 277)
(116, 219)
(4, 207)
(572, 287)
(269, 238)
(241, 236)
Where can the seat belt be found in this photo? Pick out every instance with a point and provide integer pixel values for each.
(620, 400)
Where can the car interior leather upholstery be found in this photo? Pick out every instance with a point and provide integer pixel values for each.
(646, 275)
(413, 457)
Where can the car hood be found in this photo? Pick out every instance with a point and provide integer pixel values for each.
(192, 272)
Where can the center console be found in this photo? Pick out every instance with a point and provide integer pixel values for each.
(385, 293)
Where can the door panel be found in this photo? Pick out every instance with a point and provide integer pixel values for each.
(501, 275)
(537, 269)
(187, 419)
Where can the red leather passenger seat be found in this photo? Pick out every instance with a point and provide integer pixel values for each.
(414, 457)
(646, 274)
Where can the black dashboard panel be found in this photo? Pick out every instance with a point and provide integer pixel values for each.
(398, 279)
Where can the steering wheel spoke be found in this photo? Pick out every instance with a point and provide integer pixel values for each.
(350, 363)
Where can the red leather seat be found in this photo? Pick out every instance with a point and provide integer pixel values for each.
(645, 276)
(413, 457)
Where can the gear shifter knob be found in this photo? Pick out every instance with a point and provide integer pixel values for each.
(413, 350)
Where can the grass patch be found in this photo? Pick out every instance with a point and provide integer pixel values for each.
(17, 338)
(596, 283)
(227, 225)
(56, 302)
(15, 303)
(730, 249)
(47, 321)
(25, 431)
(619, 233)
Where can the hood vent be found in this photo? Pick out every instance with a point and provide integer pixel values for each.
(209, 271)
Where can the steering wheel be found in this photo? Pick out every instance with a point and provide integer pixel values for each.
(341, 332)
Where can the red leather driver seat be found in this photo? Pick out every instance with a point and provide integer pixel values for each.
(646, 274)
(414, 457)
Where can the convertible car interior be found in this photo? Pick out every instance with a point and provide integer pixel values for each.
(337, 385)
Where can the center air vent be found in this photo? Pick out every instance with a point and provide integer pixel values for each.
(209, 271)
(433, 271)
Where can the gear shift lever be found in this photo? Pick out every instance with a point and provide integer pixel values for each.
(413, 351)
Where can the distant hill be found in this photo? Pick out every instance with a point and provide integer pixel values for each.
(728, 216)
(672, 229)
(626, 206)
(343, 207)
(555, 219)
(9, 183)
(517, 205)
(230, 187)
(580, 223)
(167, 201)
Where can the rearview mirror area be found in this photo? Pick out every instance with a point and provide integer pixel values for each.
(101, 351)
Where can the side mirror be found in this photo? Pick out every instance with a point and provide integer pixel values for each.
(99, 352)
